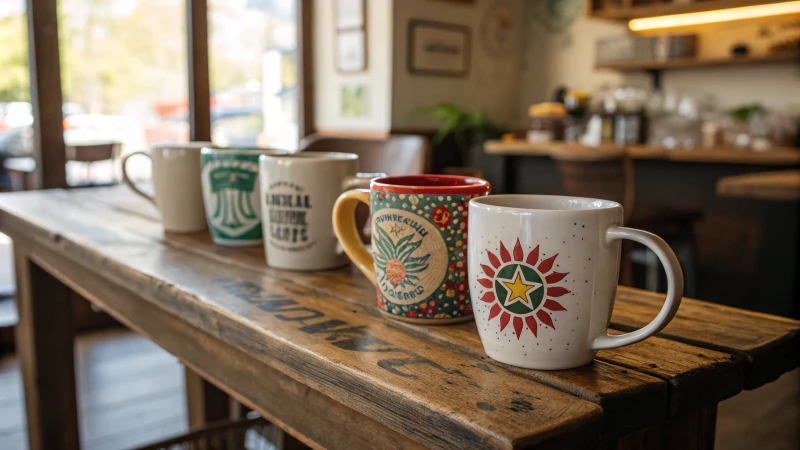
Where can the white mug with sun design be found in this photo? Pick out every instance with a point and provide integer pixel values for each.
(543, 275)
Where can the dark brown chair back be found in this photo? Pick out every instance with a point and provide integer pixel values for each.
(604, 172)
(92, 152)
(393, 155)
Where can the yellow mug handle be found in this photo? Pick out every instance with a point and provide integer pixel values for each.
(344, 225)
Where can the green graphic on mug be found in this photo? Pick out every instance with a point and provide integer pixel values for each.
(420, 253)
(394, 258)
(235, 185)
(230, 185)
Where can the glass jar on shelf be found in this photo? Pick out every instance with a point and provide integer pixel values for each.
(547, 122)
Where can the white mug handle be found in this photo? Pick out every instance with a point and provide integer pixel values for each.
(127, 179)
(674, 288)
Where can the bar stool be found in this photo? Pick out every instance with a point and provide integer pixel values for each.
(607, 173)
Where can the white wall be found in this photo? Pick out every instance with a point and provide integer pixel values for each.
(492, 83)
(567, 58)
(377, 78)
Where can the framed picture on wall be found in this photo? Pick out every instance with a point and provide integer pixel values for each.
(351, 51)
(350, 14)
(439, 49)
(351, 36)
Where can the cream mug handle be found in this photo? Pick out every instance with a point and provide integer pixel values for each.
(127, 179)
(674, 288)
(344, 225)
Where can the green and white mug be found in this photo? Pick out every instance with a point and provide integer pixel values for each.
(231, 194)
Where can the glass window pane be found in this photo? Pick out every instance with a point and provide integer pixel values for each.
(253, 69)
(16, 118)
(124, 78)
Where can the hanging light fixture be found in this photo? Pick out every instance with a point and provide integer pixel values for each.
(720, 15)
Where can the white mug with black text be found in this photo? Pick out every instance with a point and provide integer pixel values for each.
(297, 195)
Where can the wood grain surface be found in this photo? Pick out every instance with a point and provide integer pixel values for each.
(424, 390)
(632, 389)
(321, 333)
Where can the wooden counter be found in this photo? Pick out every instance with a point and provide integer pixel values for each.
(781, 185)
(778, 156)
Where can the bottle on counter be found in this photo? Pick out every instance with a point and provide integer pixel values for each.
(629, 120)
(608, 115)
(547, 122)
(577, 106)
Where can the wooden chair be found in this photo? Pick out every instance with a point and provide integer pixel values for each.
(393, 155)
(20, 171)
(91, 153)
(607, 173)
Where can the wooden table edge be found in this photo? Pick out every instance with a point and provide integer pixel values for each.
(51, 242)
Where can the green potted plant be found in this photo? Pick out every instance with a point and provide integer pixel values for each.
(468, 129)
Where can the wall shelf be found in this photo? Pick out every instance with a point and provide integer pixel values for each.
(608, 11)
(686, 63)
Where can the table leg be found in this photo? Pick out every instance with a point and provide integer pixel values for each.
(45, 349)
(205, 402)
(694, 431)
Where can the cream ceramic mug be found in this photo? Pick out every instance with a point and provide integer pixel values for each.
(543, 275)
(176, 185)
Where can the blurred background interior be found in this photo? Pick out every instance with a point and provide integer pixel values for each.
(605, 98)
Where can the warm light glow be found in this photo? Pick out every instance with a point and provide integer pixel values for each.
(720, 15)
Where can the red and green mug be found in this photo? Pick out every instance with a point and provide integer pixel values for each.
(419, 243)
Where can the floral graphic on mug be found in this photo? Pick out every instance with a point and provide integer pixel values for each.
(442, 216)
(521, 291)
(395, 260)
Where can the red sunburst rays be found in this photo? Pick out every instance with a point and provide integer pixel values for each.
(504, 253)
(549, 276)
(518, 252)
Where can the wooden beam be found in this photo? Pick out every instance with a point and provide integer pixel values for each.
(44, 345)
(45, 76)
(197, 65)
(305, 48)
(205, 403)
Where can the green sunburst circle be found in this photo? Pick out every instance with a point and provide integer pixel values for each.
(529, 274)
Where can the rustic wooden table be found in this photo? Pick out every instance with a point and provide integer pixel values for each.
(310, 352)
(779, 185)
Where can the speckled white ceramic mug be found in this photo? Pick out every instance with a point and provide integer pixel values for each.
(543, 275)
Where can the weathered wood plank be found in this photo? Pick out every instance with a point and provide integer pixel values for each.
(412, 385)
(630, 399)
(695, 376)
(685, 368)
(693, 431)
(770, 345)
(44, 345)
(274, 395)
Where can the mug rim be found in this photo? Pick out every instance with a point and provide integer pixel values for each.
(189, 145)
(585, 204)
(311, 156)
(414, 184)
(214, 150)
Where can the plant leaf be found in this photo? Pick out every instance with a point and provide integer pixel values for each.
(384, 243)
(408, 250)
